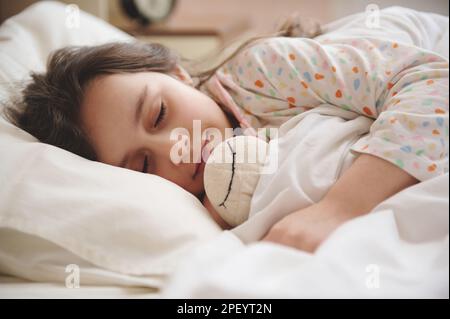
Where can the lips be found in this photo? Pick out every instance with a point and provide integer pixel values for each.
(204, 154)
(198, 168)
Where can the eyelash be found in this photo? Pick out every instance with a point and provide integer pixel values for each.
(161, 116)
(145, 166)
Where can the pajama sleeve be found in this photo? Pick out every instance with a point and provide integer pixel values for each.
(402, 87)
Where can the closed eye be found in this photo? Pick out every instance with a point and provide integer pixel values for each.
(161, 117)
(145, 166)
(162, 114)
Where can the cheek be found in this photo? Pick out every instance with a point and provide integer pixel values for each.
(191, 104)
(185, 181)
(186, 114)
(170, 173)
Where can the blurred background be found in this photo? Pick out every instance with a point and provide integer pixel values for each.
(196, 28)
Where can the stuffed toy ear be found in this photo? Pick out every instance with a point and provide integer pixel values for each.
(231, 175)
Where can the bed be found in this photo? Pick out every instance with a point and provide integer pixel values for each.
(16, 288)
(71, 228)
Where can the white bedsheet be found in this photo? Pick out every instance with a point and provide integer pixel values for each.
(14, 288)
(401, 249)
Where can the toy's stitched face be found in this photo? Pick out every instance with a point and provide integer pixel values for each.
(129, 119)
(232, 174)
(222, 204)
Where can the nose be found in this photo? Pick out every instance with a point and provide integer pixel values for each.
(171, 151)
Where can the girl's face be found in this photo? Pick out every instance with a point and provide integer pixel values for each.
(129, 119)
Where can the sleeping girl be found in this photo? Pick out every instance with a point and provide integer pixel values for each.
(118, 103)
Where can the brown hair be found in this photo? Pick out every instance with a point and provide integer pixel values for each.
(292, 26)
(49, 105)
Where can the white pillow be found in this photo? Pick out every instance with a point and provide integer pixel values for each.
(117, 219)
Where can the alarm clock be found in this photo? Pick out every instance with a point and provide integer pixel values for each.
(146, 12)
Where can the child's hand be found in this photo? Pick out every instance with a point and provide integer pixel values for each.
(307, 228)
(371, 180)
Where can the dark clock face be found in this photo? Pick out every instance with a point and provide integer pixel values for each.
(148, 11)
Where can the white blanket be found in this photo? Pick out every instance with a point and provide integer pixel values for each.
(399, 250)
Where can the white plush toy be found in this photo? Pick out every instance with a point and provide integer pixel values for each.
(231, 174)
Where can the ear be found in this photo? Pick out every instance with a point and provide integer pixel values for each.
(181, 74)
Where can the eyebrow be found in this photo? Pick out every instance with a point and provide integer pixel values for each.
(137, 115)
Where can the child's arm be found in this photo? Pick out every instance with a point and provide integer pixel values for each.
(403, 88)
(368, 182)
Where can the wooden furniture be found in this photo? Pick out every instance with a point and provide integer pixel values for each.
(193, 37)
